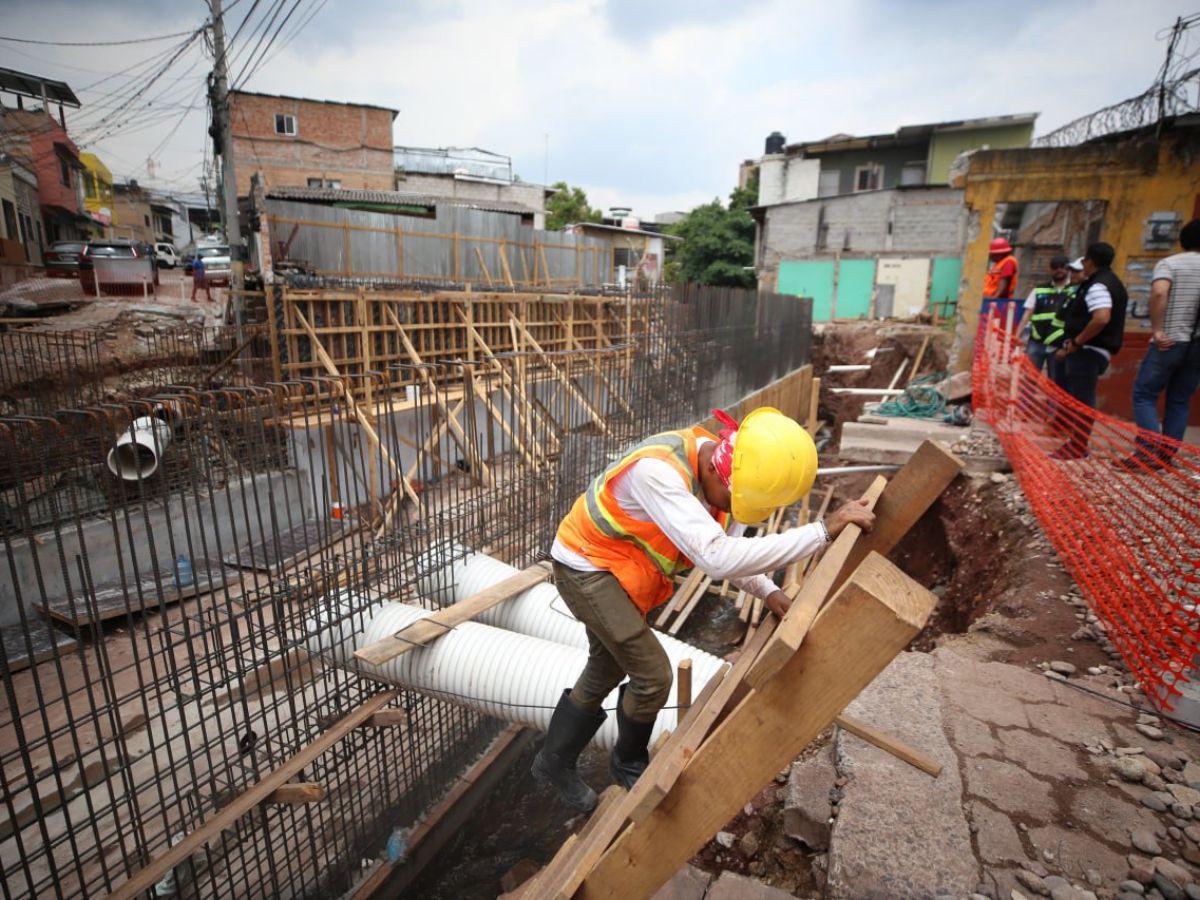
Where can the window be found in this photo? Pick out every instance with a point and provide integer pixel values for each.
(912, 173)
(866, 178)
(89, 185)
(334, 183)
(147, 218)
(64, 171)
(829, 183)
(285, 124)
(10, 221)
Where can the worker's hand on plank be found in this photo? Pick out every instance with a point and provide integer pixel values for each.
(778, 602)
(853, 513)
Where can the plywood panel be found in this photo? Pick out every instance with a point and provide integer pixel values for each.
(809, 279)
(911, 280)
(856, 282)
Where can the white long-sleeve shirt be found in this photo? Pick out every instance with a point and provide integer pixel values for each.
(651, 490)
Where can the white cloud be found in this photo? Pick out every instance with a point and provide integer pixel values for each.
(649, 108)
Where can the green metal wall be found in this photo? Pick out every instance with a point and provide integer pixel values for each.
(855, 284)
(945, 280)
(809, 279)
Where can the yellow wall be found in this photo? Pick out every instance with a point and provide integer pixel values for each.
(1135, 178)
(102, 181)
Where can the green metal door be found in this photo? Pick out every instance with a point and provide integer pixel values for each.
(856, 281)
(809, 279)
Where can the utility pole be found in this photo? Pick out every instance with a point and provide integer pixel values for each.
(219, 98)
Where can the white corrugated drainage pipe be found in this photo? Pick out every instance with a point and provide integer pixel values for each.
(509, 676)
(540, 611)
(139, 449)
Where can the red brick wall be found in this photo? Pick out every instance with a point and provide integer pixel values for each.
(339, 141)
(33, 135)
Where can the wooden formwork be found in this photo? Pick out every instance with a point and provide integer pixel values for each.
(366, 330)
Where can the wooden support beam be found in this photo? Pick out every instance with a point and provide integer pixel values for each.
(919, 359)
(683, 690)
(911, 491)
(889, 744)
(691, 605)
(479, 468)
(295, 793)
(808, 600)
(363, 421)
(487, 276)
(145, 878)
(570, 388)
(433, 627)
(388, 718)
(873, 617)
(679, 597)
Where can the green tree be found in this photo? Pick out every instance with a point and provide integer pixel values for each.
(567, 205)
(718, 242)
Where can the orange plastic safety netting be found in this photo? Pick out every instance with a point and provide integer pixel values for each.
(1120, 505)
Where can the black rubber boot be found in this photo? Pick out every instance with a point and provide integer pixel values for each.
(570, 730)
(631, 755)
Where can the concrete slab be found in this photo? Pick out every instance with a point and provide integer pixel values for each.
(900, 833)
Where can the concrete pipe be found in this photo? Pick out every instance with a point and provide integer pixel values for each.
(513, 677)
(139, 449)
(540, 611)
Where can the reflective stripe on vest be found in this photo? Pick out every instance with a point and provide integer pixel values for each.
(637, 552)
(1046, 324)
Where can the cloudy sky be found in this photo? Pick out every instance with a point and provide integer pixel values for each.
(645, 103)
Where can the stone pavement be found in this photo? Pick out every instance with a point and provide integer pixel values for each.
(1046, 791)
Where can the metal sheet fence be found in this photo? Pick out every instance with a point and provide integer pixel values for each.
(455, 245)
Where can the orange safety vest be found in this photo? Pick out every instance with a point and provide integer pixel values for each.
(991, 281)
(639, 554)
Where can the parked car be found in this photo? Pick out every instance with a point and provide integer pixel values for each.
(62, 259)
(217, 264)
(166, 254)
(120, 266)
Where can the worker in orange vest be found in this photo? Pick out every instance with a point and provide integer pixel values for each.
(1001, 277)
(678, 499)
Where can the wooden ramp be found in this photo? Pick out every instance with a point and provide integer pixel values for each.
(852, 613)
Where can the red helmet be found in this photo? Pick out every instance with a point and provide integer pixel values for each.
(999, 245)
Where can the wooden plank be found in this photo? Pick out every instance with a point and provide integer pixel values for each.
(908, 495)
(809, 599)
(692, 604)
(388, 718)
(296, 792)
(681, 593)
(444, 620)
(145, 878)
(889, 744)
(920, 358)
(873, 617)
(683, 690)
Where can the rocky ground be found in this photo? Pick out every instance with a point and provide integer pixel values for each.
(1054, 783)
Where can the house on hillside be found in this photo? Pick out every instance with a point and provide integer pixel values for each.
(301, 142)
(467, 173)
(841, 218)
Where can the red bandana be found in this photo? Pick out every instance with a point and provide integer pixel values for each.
(723, 453)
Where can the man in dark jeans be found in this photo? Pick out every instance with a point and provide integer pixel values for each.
(1094, 324)
(1172, 364)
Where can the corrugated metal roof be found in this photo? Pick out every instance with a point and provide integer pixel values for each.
(394, 198)
(32, 85)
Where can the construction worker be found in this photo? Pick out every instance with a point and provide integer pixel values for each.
(1043, 316)
(677, 499)
(1001, 276)
(1094, 322)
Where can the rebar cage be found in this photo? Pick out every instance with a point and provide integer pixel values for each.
(173, 560)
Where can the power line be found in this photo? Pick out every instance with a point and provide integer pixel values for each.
(149, 40)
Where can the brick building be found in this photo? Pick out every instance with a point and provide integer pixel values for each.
(297, 142)
(41, 144)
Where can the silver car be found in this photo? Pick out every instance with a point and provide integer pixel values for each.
(217, 263)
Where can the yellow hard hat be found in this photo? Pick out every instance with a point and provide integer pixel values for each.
(774, 464)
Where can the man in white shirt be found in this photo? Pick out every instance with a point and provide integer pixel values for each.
(1172, 364)
(677, 499)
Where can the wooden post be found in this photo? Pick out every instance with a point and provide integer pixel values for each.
(347, 261)
(566, 382)
(487, 276)
(508, 279)
(683, 690)
(867, 624)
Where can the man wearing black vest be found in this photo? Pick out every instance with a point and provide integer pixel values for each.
(1094, 325)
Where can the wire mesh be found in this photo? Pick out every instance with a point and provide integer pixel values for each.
(174, 560)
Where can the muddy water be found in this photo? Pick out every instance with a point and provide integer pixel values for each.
(522, 821)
